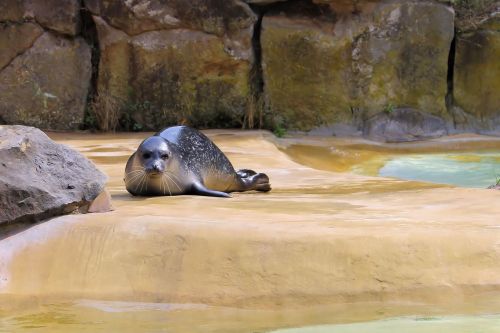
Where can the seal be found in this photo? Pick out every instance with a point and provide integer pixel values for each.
(181, 160)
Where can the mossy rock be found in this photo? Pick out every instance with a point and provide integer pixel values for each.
(333, 68)
(304, 74)
(47, 85)
(232, 20)
(477, 76)
(173, 77)
(181, 76)
(62, 16)
(15, 38)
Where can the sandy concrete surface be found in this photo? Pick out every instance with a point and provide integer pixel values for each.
(318, 237)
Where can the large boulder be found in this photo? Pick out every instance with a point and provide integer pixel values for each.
(40, 178)
(477, 78)
(15, 38)
(172, 76)
(403, 125)
(12, 10)
(62, 16)
(47, 85)
(327, 65)
(231, 20)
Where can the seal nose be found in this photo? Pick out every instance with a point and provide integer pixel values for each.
(156, 167)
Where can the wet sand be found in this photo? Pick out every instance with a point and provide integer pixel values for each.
(319, 238)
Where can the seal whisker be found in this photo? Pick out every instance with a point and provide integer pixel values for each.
(136, 173)
(161, 186)
(173, 175)
(143, 180)
(168, 174)
(146, 180)
(137, 182)
(134, 178)
(133, 172)
(163, 179)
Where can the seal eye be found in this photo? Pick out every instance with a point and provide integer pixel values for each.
(164, 156)
(146, 156)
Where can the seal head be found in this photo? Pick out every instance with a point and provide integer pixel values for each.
(153, 154)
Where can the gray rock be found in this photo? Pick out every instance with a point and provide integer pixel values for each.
(176, 76)
(62, 16)
(476, 80)
(40, 179)
(15, 39)
(47, 85)
(321, 64)
(403, 125)
(232, 20)
(11, 10)
(340, 130)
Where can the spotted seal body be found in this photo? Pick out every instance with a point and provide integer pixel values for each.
(181, 160)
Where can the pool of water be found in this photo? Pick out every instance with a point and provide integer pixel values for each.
(476, 167)
(478, 170)
(450, 324)
(74, 316)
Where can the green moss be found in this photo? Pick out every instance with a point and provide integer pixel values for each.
(314, 77)
(279, 131)
(389, 108)
(476, 79)
(186, 81)
(303, 70)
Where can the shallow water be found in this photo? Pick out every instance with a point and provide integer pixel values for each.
(450, 324)
(145, 317)
(478, 170)
(474, 164)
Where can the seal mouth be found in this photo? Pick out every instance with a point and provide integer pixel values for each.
(154, 173)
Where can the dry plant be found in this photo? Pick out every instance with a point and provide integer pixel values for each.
(106, 110)
(471, 13)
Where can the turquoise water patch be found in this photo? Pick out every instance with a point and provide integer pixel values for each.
(452, 324)
(466, 170)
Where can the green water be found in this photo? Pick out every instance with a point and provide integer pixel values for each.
(451, 324)
(478, 170)
(94, 316)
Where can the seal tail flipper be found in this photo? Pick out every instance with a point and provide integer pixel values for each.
(200, 189)
(257, 182)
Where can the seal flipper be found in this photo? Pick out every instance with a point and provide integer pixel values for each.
(200, 189)
(245, 173)
(256, 181)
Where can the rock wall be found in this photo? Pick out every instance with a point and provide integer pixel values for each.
(330, 66)
(476, 80)
(296, 64)
(45, 66)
